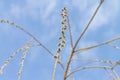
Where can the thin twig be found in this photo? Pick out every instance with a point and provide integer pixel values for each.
(84, 30)
(11, 57)
(23, 59)
(110, 73)
(97, 45)
(115, 73)
(60, 63)
(97, 60)
(55, 67)
(87, 67)
(113, 46)
(28, 33)
(70, 32)
(72, 52)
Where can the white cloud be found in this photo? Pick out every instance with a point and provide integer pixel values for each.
(37, 9)
(48, 10)
(34, 3)
(99, 19)
(107, 12)
(80, 4)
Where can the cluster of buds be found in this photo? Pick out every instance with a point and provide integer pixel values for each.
(9, 59)
(13, 24)
(26, 48)
(64, 27)
(7, 21)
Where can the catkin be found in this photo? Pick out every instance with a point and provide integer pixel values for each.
(62, 37)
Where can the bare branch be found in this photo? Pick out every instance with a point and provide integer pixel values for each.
(23, 59)
(55, 67)
(11, 57)
(97, 60)
(97, 45)
(110, 73)
(116, 47)
(115, 73)
(72, 52)
(70, 32)
(87, 67)
(87, 26)
(28, 33)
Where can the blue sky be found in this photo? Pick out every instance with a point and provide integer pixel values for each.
(42, 18)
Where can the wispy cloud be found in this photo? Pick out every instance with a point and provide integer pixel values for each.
(85, 9)
(16, 11)
(34, 8)
(107, 12)
(47, 10)
(80, 4)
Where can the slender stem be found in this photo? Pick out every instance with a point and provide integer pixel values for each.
(70, 32)
(55, 67)
(97, 45)
(68, 65)
(115, 73)
(87, 26)
(110, 73)
(87, 67)
(72, 52)
(28, 33)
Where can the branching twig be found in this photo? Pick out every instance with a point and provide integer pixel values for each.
(28, 33)
(116, 75)
(72, 52)
(84, 30)
(70, 32)
(23, 59)
(11, 57)
(62, 41)
(97, 45)
(87, 67)
(55, 67)
(97, 60)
